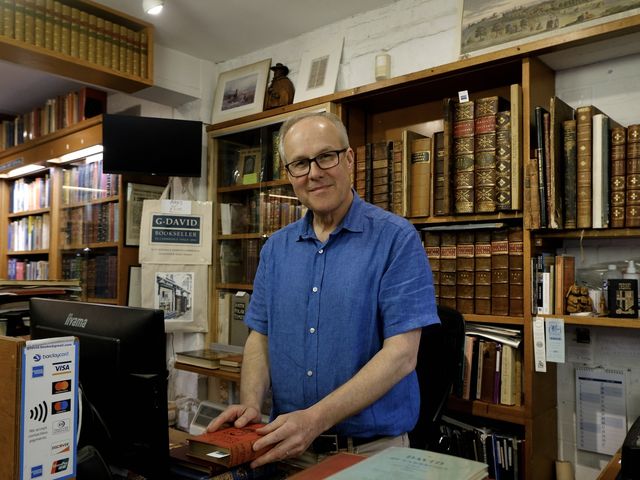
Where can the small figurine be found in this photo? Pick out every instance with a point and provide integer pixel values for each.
(280, 92)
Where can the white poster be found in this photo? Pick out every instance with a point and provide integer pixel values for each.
(49, 409)
(176, 232)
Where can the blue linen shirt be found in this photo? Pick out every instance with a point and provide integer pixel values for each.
(327, 308)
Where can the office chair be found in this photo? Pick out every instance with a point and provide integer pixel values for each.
(440, 358)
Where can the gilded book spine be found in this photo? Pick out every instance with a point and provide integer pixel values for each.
(432, 247)
(499, 272)
(632, 212)
(438, 174)
(361, 168)
(618, 175)
(445, 172)
(420, 185)
(584, 135)
(516, 272)
(448, 269)
(570, 174)
(465, 266)
(485, 154)
(503, 160)
(463, 151)
(482, 280)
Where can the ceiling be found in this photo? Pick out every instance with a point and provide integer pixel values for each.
(214, 30)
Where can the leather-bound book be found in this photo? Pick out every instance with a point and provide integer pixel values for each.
(541, 153)
(431, 242)
(489, 359)
(559, 112)
(584, 187)
(399, 204)
(465, 266)
(361, 169)
(420, 181)
(618, 175)
(380, 174)
(526, 196)
(570, 174)
(517, 159)
(438, 173)
(447, 169)
(463, 150)
(600, 175)
(516, 271)
(632, 209)
(484, 174)
(503, 160)
(499, 272)
(482, 280)
(448, 269)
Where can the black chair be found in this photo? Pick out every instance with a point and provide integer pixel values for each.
(439, 366)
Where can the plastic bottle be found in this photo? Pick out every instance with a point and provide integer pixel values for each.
(611, 273)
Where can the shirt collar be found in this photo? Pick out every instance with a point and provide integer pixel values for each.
(352, 221)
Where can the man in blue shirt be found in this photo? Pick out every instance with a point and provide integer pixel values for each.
(338, 304)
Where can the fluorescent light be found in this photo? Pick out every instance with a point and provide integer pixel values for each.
(152, 7)
(85, 152)
(16, 172)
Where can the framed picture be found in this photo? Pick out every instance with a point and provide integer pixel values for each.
(488, 25)
(240, 92)
(249, 165)
(319, 70)
(136, 194)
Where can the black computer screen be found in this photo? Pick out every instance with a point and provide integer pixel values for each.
(123, 377)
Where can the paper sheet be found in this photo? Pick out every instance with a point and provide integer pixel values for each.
(600, 409)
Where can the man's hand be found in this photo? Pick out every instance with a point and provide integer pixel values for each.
(291, 434)
(238, 415)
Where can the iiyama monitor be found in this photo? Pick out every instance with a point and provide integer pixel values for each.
(123, 378)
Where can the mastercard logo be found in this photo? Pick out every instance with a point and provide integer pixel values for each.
(60, 406)
(61, 387)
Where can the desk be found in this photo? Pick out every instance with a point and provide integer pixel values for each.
(612, 469)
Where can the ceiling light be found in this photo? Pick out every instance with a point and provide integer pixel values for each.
(152, 7)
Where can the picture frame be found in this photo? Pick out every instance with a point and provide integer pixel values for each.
(240, 92)
(249, 165)
(319, 70)
(487, 26)
(137, 193)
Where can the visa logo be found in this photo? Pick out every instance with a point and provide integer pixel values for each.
(62, 368)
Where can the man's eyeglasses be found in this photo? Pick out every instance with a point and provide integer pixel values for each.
(324, 161)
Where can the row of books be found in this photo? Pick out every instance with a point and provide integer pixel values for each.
(492, 367)
(266, 212)
(57, 113)
(30, 194)
(477, 271)
(470, 163)
(62, 28)
(27, 269)
(551, 277)
(212, 359)
(29, 233)
(501, 450)
(91, 224)
(239, 260)
(86, 182)
(585, 172)
(97, 274)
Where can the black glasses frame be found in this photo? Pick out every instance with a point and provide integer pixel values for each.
(315, 159)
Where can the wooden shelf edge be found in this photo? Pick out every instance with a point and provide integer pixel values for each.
(253, 186)
(504, 413)
(588, 233)
(210, 372)
(28, 213)
(597, 321)
(242, 236)
(466, 218)
(472, 317)
(234, 286)
(17, 253)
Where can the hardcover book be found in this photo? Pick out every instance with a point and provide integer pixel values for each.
(632, 207)
(205, 358)
(503, 160)
(600, 172)
(618, 176)
(623, 298)
(541, 151)
(570, 174)
(516, 271)
(446, 168)
(328, 466)
(559, 112)
(482, 278)
(230, 446)
(463, 151)
(584, 145)
(420, 180)
(517, 161)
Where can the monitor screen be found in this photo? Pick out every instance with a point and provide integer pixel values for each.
(148, 145)
(123, 377)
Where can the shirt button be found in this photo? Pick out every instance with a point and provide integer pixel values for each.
(309, 373)
(315, 289)
(321, 251)
(312, 330)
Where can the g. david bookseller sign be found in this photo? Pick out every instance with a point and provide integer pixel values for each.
(176, 232)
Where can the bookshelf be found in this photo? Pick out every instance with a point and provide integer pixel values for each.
(84, 238)
(381, 111)
(82, 40)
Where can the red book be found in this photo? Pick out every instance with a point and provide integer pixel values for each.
(229, 446)
(328, 466)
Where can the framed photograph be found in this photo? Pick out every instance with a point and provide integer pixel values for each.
(488, 25)
(137, 193)
(249, 165)
(319, 71)
(240, 92)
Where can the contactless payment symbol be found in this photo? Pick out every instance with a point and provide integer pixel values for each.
(39, 412)
(61, 406)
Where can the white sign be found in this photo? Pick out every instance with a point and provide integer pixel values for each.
(49, 409)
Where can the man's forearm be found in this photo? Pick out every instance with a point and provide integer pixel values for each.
(393, 362)
(255, 380)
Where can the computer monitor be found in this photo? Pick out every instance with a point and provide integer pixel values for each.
(123, 377)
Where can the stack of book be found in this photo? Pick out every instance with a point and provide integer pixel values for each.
(228, 359)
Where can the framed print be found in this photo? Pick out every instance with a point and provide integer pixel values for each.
(319, 71)
(137, 193)
(240, 92)
(488, 25)
(249, 165)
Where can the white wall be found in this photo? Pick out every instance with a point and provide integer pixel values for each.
(423, 33)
